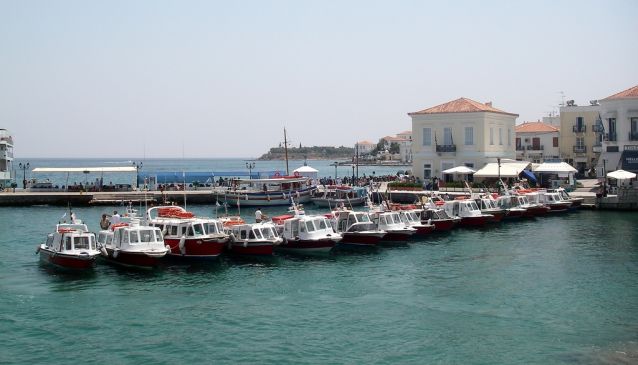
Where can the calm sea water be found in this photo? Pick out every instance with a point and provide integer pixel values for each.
(556, 290)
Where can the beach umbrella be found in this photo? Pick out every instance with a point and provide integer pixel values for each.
(621, 175)
(459, 170)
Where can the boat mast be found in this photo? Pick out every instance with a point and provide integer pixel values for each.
(286, 151)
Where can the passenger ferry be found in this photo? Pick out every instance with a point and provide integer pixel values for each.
(265, 192)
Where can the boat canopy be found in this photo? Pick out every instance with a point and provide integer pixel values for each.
(275, 180)
(86, 170)
(507, 169)
(167, 177)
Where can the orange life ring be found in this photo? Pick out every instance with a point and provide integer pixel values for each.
(118, 225)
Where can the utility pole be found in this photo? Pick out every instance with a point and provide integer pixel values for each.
(286, 151)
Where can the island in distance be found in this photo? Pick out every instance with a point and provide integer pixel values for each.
(311, 153)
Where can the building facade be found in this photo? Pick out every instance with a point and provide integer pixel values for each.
(619, 132)
(6, 158)
(364, 147)
(579, 145)
(537, 142)
(460, 132)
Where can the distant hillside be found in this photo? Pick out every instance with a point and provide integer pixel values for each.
(313, 153)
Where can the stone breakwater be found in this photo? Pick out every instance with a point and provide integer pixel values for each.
(103, 198)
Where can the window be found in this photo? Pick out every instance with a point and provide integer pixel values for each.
(322, 224)
(612, 129)
(555, 141)
(134, 237)
(469, 136)
(81, 243)
(579, 123)
(580, 142)
(67, 243)
(447, 136)
(427, 171)
(518, 143)
(509, 137)
(500, 136)
(427, 136)
(124, 236)
(146, 235)
(491, 135)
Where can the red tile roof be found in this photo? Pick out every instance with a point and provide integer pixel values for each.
(365, 142)
(462, 105)
(631, 93)
(535, 127)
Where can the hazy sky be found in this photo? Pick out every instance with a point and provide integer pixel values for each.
(222, 79)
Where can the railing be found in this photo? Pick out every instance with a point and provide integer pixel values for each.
(445, 148)
(611, 137)
(536, 148)
(520, 148)
(580, 149)
(579, 128)
(598, 128)
(633, 136)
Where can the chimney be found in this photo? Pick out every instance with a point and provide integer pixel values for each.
(489, 103)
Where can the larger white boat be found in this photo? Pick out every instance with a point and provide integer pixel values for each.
(131, 244)
(468, 211)
(306, 234)
(70, 246)
(265, 192)
(188, 237)
(339, 196)
(356, 228)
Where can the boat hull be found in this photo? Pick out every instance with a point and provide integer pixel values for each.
(538, 211)
(361, 238)
(322, 202)
(423, 229)
(307, 247)
(196, 249)
(516, 213)
(252, 248)
(397, 236)
(444, 225)
(477, 221)
(559, 207)
(67, 262)
(254, 199)
(134, 259)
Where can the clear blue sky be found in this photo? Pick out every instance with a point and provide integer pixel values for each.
(222, 79)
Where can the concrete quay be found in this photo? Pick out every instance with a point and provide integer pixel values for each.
(29, 198)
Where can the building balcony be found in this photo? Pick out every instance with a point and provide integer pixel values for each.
(520, 148)
(579, 128)
(597, 148)
(445, 148)
(598, 128)
(536, 148)
(611, 137)
(633, 136)
(580, 149)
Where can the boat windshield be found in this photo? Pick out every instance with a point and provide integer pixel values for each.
(322, 223)
(268, 233)
(146, 235)
(83, 243)
(362, 217)
(255, 234)
(395, 218)
(310, 227)
(523, 200)
(196, 229)
(212, 228)
(473, 206)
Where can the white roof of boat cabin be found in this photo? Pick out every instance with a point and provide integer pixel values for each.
(306, 168)
(86, 169)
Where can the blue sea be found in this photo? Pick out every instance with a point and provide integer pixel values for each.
(556, 290)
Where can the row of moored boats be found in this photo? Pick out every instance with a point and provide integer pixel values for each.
(172, 234)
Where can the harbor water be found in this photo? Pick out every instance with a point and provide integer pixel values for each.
(556, 290)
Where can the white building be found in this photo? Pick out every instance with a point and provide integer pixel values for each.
(6, 158)
(537, 142)
(619, 116)
(365, 147)
(460, 132)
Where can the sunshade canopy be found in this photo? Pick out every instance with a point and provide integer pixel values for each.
(555, 167)
(621, 175)
(509, 169)
(306, 169)
(459, 170)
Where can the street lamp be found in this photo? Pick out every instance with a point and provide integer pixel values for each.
(250, 166)
(138, 166)
(498, 160)
(24, 168)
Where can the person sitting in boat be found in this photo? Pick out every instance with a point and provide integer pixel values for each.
(104, 222)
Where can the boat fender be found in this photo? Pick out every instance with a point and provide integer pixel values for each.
(182, 245)
(37, 250)
(116, 252)
(104, 252)
(430, 221)
(168, 247)
(245, 244)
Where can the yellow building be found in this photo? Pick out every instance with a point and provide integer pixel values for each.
(578, 143)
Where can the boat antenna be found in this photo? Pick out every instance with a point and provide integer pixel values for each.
(286, 151)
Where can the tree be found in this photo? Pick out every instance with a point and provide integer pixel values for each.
(394, 147)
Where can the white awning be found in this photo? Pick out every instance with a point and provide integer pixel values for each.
(510, 169)
(86, 170)
(555, 167)
(306, 169)
(459, 170)
(275, 180)
(621, 175)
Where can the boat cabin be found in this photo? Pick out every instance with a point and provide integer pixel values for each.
(254, 232)
(192, 228)
(350, 221)
(124, 237)
(307, 227)
(462, 208)
(71, 240)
